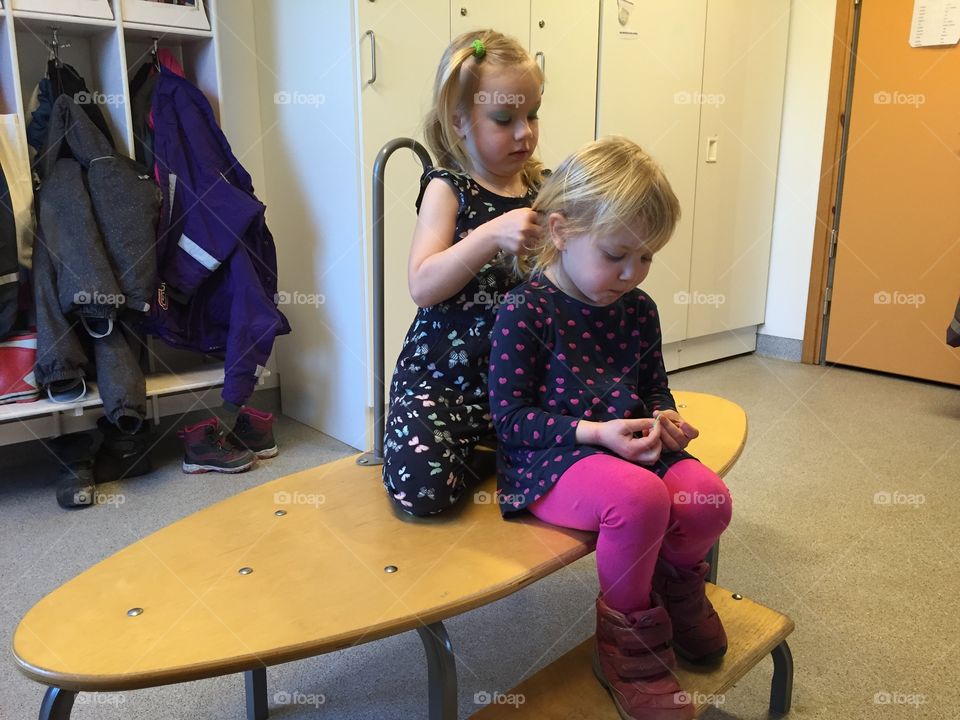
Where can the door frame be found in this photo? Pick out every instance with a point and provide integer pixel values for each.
(829, 178)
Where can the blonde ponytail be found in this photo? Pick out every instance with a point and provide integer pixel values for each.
(454, 90)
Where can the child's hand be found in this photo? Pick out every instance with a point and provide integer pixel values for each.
(677, 432)
(515, 232)
(636, 439)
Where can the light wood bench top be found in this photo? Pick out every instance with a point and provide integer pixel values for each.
(318, 581)
(568, 690)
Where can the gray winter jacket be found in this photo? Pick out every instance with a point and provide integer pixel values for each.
(95, 261)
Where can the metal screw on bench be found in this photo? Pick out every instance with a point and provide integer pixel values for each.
(737, 596)
(280, 513)
(245, 570)
(390, 568)
(683, 405)
(133, 612)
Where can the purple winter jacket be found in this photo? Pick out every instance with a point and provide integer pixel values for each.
(217, 261)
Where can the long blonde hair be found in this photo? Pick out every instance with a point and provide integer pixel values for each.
(604, 185)
(454, 89)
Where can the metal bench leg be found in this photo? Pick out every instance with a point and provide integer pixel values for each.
(441, 671)
(713, 558)
(781, 687)
(255, 682)
(57, 704)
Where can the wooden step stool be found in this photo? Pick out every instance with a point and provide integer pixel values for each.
(567, 689)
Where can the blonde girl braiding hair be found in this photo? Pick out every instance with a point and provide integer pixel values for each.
(455, 89)
(606, 184)
(473, 212)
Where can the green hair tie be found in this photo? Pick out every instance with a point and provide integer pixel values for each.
(479, 49)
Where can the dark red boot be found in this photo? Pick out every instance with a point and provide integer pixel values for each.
(205, 449)
(254, 431)
(633, 660)
(698, 634)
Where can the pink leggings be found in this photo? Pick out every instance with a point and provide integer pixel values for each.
(639, 516)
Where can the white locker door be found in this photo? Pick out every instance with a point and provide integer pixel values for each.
(392, 106)
(742, 105)
(651, 64)
(510, 17)
(564, 36)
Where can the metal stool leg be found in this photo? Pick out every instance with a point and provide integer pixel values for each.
(781, 687)
(57, 704)
(441, 671)
(255, 682)
(713, 559)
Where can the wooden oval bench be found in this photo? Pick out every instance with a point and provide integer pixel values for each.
(300, 566)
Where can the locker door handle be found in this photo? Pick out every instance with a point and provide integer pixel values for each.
(541, 59)
(373, 56)
(712, 144)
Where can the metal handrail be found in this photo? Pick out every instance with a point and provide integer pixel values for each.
(375, 457)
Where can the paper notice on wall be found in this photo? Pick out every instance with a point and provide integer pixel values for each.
(935, 22)
(624, 8)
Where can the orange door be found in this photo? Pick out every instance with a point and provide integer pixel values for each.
(897, 274)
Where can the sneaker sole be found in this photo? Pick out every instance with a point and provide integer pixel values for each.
(21, 397)
(193, 469)
(268, 453)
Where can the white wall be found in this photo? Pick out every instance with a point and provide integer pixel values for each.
(240, 103)
(311, 148)
(798, 180)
